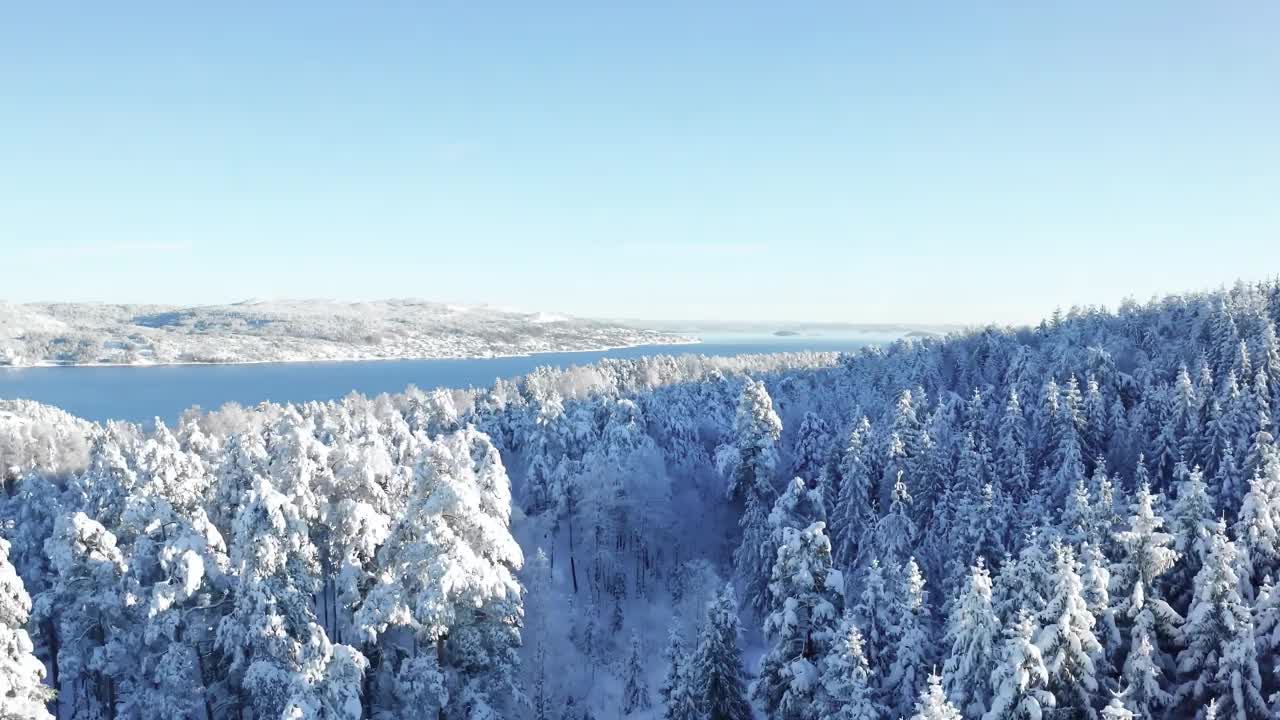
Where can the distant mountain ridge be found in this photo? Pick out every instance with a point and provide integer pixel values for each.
(294, 330)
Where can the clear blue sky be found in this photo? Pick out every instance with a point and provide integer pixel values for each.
(912, 161)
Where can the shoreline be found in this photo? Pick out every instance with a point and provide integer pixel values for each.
(350, 359)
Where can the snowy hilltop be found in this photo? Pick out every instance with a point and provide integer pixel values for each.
(303, 330)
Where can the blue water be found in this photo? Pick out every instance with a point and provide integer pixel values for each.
(140, 394)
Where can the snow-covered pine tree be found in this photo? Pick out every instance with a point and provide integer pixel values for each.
(854, 514)
(750, 474)
(1143, 680)
(679, 697)
(1191, 522)
(683, 704)
(1022, 584)
(933, 703)
(1266, 635)
(1257, 529)
(23, 693)
(913, 651)
(1154, 627)
(87, 610)
(1096, 577)
(847, 692)
(1011, 451)
(973, 633)
(271, 613)
(1020, 679)
(538, 606)
(895, 531)
(447, 586)
(1220, 658)
(807, 603)
(811, 448)
(872, 615)
(635, 689)
(716, 666)
(674, 655)
(1067, 640)
(797, 507)
(1115, 710)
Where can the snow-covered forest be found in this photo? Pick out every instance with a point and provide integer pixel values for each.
(300, 330)
(1079, 520)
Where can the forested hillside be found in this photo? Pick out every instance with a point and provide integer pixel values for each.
(1079, 520)
(293, 331)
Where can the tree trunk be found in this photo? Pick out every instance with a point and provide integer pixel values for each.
(573, 565)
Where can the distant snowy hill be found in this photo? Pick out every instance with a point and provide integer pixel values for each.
(263, 331)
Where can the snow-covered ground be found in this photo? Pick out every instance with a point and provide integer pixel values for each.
(292, 331)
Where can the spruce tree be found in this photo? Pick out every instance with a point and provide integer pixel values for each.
(1220, 658)
(933, 703)
(854, 516)
(1067, 640)
(635, 690)
(873, 616)
(679, 697)
(674, 655)
(754, 461)
(802, 625)
(973, 633)
(913, 651)
(1154, 627)
(1020, 679)
(847, 690)
(716, 667)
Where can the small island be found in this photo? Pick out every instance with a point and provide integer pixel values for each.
(786, 333)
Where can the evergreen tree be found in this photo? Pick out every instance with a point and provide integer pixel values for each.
(973, 633)
(1191, 522)
(23, 693)
(1022, 584)
(812, 446)
(1115, 710)
(679, 697)
(86, 610)
(716, 667)
(1144, 690)
(872, 615)
(1154, 627)
(854, 514)
(847, 692)
(448, 573)
(1011, 451)
(272, 555)
(1096, 578)
(802, 625)
(1067, 640)
(896, 531)
(635, 691)
(674, 655)
(796, 508)
(1020, 678)
(933, 703)
(750, 470)
(913, 651)
(1220, 658)
(1257, 530)
(1266, 636)
(1231, 482)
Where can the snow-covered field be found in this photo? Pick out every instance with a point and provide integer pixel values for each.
(293, 331)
